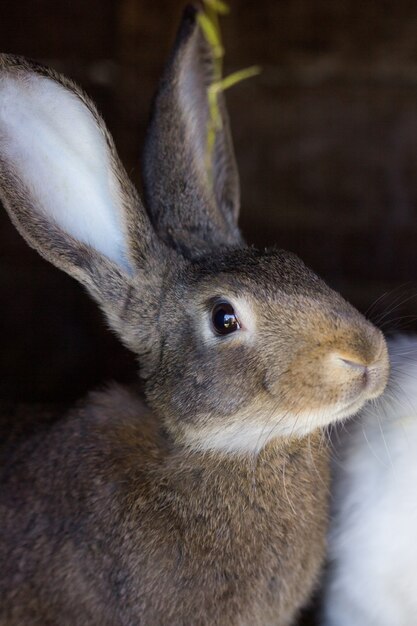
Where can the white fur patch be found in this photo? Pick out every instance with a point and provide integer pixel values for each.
(54, 145)
(250, 430)
(373, 550)
(233, 439)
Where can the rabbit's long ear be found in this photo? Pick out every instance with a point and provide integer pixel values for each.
(62, 183)
(193, 205)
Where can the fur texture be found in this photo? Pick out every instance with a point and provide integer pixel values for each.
(126, 528)
(373, 553)
(201, 499)
(190, 208)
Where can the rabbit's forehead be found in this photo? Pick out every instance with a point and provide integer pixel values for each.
(267, 272)
(275, 280)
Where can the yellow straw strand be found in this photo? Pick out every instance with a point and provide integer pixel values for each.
(211, 35)
(217, 5)
(237, 77)
(209, 24)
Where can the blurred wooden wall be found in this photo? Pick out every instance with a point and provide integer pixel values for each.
(326, 140)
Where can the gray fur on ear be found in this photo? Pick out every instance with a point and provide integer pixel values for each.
(192, 209)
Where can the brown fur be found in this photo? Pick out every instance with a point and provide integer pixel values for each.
(201, 499)
(128, 528)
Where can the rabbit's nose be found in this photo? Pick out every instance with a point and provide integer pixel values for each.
(359, 367)
(350, 366)
(370, 373)
(354, 369)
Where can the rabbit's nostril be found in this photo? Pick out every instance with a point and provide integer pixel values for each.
(355, 365)
(349, 362)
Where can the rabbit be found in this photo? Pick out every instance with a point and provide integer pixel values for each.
(371, 577)
(198, 496)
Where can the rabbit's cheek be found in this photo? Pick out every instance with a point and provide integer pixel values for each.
(218, 387)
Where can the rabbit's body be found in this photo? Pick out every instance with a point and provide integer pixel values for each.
(105, 521)
(205, 504)
(373, 552)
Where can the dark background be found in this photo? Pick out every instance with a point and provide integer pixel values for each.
(326, 140)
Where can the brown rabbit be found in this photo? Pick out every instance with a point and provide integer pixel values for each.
(202, 501)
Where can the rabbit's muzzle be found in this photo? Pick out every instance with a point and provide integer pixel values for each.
(341, 363)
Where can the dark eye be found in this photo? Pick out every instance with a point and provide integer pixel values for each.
(224, 318)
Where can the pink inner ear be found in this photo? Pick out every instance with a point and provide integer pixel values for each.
(53, 143)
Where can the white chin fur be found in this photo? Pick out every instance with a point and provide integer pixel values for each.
(53, 143)
(373, 552)
(248, 435)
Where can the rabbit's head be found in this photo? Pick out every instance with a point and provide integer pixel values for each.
(236, 345)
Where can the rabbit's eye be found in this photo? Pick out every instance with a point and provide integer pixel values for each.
(224, 318)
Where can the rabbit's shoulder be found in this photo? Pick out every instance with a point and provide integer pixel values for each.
(84, 453)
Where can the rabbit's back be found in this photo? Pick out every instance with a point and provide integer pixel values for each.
(373, 553)
(103, 522)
